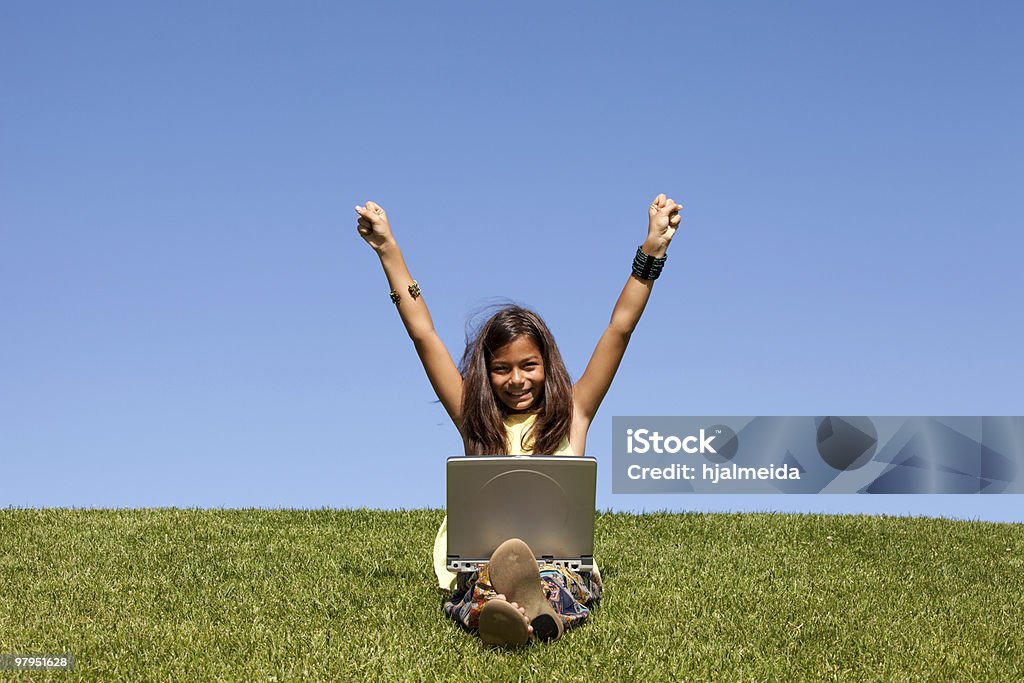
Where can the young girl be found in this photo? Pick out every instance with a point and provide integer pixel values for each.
(512, 395)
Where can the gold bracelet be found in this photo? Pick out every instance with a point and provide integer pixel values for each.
(414, 292)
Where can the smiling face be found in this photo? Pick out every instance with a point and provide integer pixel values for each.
(517, 374)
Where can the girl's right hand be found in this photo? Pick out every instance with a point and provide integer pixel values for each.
(373, 226)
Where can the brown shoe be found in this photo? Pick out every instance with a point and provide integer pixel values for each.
(513, 571)
(502, 625)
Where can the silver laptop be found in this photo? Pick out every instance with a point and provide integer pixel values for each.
(548, 501)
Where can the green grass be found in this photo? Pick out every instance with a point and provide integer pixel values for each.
(264, 595)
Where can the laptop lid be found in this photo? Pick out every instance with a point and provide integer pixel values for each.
(548, 501)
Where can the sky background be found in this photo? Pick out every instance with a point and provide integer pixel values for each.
(189, 317)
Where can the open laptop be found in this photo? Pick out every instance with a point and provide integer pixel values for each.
(548, 501)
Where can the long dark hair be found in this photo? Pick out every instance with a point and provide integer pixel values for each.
(483, 431)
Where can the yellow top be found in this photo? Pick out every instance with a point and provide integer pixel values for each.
(515, 426)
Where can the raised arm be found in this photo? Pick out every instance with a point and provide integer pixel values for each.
(589, 391)
(373, 226)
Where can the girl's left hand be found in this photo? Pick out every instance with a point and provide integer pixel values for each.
(663, 221)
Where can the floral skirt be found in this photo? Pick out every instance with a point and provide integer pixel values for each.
(570, 593)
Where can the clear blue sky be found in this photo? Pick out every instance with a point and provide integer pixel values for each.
(190, 318)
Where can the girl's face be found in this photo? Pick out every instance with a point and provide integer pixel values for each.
(517, 374)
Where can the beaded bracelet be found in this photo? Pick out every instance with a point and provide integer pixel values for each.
(647, 267)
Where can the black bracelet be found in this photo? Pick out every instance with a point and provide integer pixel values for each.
(647, 267)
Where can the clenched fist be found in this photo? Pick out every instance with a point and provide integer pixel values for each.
(663, 220)
(373, 225)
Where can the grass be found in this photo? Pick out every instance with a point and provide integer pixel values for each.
(281, 595)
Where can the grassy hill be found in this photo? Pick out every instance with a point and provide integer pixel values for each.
(279, 595)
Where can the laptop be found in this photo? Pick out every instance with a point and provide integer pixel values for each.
(548, 501)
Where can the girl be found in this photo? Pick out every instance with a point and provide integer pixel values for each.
(512, 395)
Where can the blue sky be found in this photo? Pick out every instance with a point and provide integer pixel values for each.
(191, 319)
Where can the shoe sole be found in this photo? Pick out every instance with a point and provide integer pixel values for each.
(513, 571)
(502, 625)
